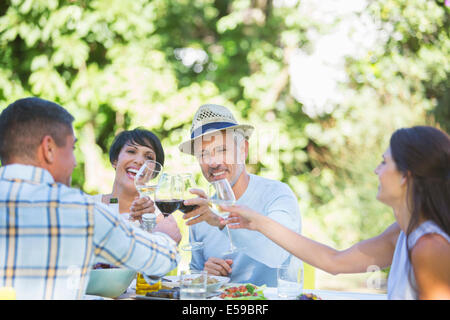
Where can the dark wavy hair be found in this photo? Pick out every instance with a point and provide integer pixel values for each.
(423, 153)
(136, 136)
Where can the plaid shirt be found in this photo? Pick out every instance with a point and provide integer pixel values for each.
(51, 235)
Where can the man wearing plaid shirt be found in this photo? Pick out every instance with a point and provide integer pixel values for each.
(51, 234)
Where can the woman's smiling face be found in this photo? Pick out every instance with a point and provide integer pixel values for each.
(130, 159)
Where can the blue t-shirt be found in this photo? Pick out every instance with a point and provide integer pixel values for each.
(258, 257)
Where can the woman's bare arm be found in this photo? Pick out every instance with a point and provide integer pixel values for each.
(375, 251)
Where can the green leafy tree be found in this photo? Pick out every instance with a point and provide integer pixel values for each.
(119, 64)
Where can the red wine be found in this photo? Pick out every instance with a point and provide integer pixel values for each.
(187, 208)
(168, 206)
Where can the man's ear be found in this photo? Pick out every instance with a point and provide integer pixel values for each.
(48, 148)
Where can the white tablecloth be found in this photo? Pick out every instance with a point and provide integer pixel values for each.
(271, 294)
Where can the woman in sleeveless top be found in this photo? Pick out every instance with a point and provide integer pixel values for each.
(414, 179)
(129, 150)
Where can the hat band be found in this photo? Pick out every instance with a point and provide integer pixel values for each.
(210, 126)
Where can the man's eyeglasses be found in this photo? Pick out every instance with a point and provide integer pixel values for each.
(217, 152)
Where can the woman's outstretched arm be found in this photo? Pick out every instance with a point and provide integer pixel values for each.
(376, 251)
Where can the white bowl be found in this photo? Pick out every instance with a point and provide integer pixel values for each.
(109, 283)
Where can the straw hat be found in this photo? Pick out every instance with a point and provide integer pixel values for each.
(209, 119)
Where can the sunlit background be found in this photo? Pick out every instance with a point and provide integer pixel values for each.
(325, 83)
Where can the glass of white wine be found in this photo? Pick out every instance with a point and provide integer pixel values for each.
(221, 194)
(189, 183)
(146, 179)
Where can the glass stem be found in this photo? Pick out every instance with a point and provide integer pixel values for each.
(191, 237)
(232, 247)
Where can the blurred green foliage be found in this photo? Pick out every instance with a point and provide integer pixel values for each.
(119, 64)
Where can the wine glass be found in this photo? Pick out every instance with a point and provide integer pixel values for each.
(146, 181)
(169, 194)
(189, 183)
(221, 194)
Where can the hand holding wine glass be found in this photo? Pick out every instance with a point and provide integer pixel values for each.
(146, 182)
(203, 212)
(140, 206)
(242, 217)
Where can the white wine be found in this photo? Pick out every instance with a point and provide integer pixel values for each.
(146, 190)
(216, 203)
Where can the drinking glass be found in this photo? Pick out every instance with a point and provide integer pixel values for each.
(146, 181)
(169, 194)
(221, 194)
(189, 183)
(193, 284)
(289, 281)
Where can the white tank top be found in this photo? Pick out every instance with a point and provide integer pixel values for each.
(399, 286)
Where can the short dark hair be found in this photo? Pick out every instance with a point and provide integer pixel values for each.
(138, 136)
(25, 122)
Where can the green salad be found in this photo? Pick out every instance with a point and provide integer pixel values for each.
(244, 292)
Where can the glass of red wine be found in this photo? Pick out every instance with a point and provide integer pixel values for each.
(169, 194)
(189, 183)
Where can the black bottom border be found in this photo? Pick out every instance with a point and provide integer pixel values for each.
(222, 309)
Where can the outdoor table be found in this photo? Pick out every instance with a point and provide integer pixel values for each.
(271, 294)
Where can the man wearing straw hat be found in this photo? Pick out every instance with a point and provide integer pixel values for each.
(221, 147)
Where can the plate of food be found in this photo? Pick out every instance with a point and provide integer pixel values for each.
(308, 296)
(213, 283)
(245, 291)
